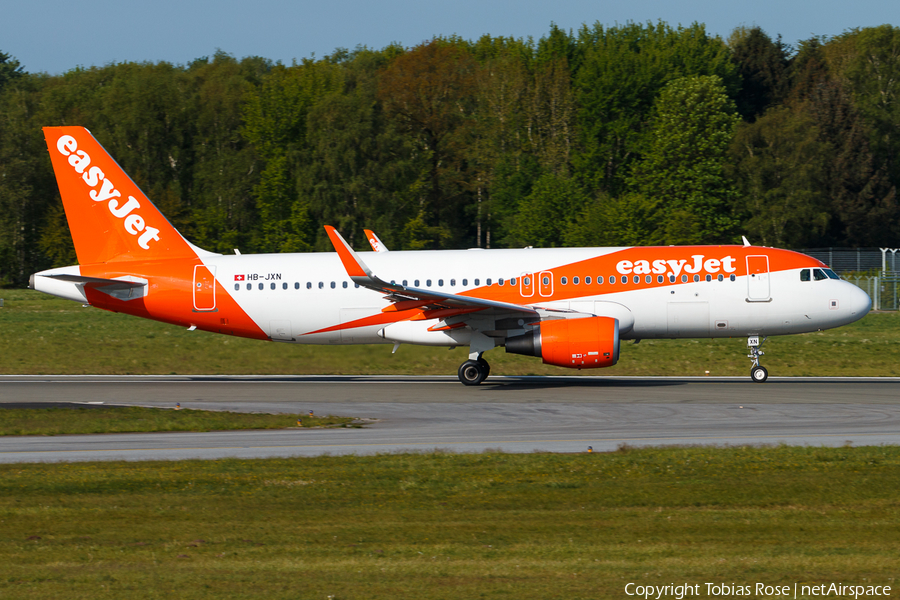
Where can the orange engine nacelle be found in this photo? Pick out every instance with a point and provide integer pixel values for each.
(588, 343)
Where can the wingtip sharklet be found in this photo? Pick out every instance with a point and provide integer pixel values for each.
(354, 266)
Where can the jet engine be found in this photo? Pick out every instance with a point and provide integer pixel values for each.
(586, 343)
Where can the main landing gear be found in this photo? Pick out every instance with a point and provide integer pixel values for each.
(473, 372)
(758, 372)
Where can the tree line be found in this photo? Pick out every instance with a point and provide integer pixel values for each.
(629, 135)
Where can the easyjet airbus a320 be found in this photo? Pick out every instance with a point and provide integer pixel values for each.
(569, 306)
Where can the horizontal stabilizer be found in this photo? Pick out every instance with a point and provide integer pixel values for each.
(70, 285)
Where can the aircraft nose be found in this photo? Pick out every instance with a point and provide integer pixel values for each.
(859, 301)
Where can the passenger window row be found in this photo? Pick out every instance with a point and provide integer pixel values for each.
(526, 280)
(637, 279)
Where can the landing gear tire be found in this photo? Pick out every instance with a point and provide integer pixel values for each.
(759, 374)
(473, 372)
(486, 366)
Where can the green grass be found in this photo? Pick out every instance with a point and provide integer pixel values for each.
(58, 421)
(40, 334)
(450, 526)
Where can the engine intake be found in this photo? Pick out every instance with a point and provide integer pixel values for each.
(587, 343)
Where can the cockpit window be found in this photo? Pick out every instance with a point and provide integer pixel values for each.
(831, 274)
(819, 274)
(804, 275)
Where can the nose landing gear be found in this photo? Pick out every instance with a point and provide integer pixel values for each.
(758, 373)
(473, 372)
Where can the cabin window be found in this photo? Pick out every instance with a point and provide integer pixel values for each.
(487, 281)
(309, 285)
(600, 280)
(440, 283)
(587, 280)
(659, 279)
(563, 280)
(624, 279)
(575, 281)
(477, 282)
(284, 285)
(237, 287)
(249, 286)
(709, 278)
(356, 285)
(545, 281)
(732, 277)
(296, 285)
(696, 278)
(720, 277)
(684, 279)
(344, 285)
(261, 286)
(512, 281)
(671, 279)
(333, 285)
(271, 286)
(465, 282)
(427, 283)
(500, 281)
(416, 283)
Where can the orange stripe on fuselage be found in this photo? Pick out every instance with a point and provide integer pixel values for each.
(376, 319)
(170, 297)
(606, 266)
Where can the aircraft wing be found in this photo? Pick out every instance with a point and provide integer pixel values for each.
(405, 297)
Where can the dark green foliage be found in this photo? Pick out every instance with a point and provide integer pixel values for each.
(624, 70)
(10, 69)
(763, 66)
(608, 135)
(691, 126)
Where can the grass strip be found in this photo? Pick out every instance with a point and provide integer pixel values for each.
(131, 419)
(40, 334)
(435, 526)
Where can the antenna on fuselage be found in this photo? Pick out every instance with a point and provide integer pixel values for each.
(747, 243)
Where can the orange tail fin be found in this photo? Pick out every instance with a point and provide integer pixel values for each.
(109, 216)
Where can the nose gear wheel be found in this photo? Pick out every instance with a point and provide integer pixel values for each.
(758, 373)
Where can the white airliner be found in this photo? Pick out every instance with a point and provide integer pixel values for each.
(569, 306)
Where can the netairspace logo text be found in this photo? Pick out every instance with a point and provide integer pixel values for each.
(760, 590)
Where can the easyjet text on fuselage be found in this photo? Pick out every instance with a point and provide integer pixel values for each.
(673, 267)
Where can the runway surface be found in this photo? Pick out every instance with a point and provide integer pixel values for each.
(511, 414)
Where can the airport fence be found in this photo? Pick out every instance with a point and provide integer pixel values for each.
(882, 289)
(857, 260)
(875, 270)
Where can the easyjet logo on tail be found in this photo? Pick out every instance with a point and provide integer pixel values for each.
(107, 192)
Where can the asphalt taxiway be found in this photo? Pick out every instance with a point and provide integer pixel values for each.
(511, 414)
